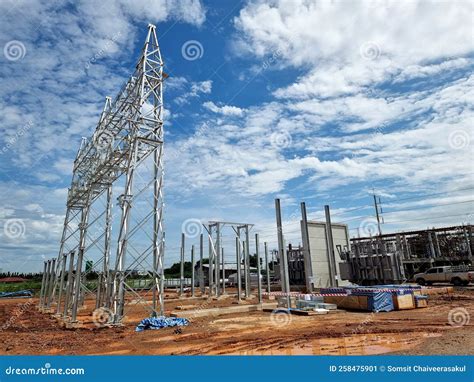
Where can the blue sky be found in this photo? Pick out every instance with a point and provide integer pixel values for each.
(312, 101)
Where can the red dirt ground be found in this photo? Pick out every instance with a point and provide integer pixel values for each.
(24, 330)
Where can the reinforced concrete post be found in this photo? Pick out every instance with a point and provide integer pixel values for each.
(223, 271)
(61, 282)
(192, 270)
(239, 270)
(211, 261)
(308, 271)
(218, 257)
(107, 239)
(80, 257)
(267, 266)
(48, 277)
(43, 284)
(330, 248)
(244, 254)
(247, 261)
(285, 282)
(259, 280)
(181, 268)
(201, 255)
(51, 282)
(69, 285)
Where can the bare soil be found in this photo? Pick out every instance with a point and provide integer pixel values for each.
(24, 330)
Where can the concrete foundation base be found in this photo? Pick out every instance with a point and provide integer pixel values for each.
(213, 312)
(73, 325)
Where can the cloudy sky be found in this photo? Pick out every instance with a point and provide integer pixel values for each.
(318, 101)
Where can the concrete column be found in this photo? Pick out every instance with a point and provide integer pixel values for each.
(181, 268)
(239, 270)
(218, 258)
(52, 281)
(267, 267)
(247, 261)
(43, 284)
(69, 285)
(330, 248)
(80, 258)
(223, 271)
(201, 255)
(211, 262)
(192, 271)
(285, 282)
(61, 282)
(308, 270)
(259, 280)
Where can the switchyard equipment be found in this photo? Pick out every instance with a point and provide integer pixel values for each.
(123, 160)
(393, 258)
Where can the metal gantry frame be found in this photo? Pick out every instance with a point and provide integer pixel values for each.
(125, 150)
(216, 264)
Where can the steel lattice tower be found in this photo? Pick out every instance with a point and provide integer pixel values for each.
(124, 156)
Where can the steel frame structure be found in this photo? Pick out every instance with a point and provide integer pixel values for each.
(216, 265)
(126, 149)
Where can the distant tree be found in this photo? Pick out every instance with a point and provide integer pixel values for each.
(175, 270)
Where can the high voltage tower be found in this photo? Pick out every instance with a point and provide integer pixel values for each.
(113, 228)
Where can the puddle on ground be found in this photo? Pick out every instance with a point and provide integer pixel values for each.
(356, 345)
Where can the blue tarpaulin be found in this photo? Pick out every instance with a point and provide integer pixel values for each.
(333, 290)
(160, 322)
(19, 293)
(377, 301)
